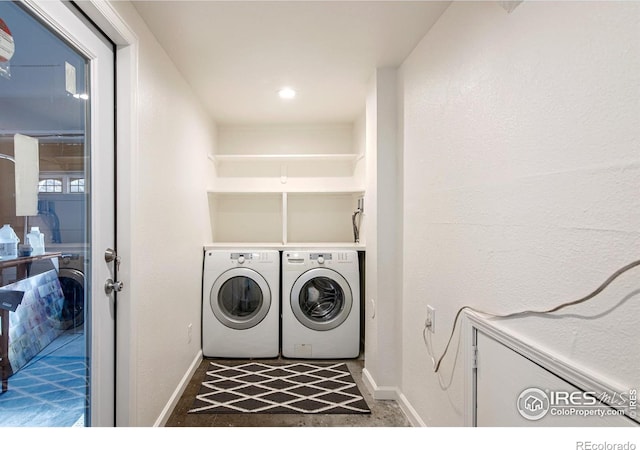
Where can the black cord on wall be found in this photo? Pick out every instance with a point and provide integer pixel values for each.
(599, 289)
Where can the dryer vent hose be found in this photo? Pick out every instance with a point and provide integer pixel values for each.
(355, 220)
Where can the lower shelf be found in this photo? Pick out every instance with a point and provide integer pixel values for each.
(296, 219)
(289, 245)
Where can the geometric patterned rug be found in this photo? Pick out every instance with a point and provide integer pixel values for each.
(279, 388)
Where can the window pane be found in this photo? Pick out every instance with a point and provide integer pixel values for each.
(76, 185)
(50, 185)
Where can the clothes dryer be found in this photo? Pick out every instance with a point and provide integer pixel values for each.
(240, 303)
(320, 304)
(71, 277)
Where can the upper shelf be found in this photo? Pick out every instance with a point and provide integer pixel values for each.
(285, 166)
(332, 157)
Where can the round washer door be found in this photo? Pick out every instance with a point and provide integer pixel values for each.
(321, 299)
(72, 284)
(240, 298)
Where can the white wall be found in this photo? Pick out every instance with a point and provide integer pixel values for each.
(521, 182)
(169, 224)
(285, 139)
(371, 318)
(382, 210)
(359, 140)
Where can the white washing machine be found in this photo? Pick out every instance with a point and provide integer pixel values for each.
(71, 274)
(71, 277)
(320, 304)
(240, 303)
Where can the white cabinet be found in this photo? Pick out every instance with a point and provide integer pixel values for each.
(286, 186)
(501, 394)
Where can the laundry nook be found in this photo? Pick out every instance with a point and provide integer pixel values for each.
(290, 215)
(284, 273)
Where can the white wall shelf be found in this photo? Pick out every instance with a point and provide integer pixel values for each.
(249, 158)
(286, 186)
(285, 189)
(287, 246)
(285, 166)
(283, 219)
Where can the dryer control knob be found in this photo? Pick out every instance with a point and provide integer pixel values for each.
(241, 260)
(320, 260)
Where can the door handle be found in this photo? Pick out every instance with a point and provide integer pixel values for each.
(111, 286)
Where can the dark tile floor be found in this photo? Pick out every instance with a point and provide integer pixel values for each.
(384, 413)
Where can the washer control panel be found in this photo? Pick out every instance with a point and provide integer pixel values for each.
(249, 258)
(321, 257)
(242, 257)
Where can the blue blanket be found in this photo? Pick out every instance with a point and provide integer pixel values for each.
(37, 320)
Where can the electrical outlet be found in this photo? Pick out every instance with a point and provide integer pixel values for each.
(189, 333)
(431, 318)
(361, 204)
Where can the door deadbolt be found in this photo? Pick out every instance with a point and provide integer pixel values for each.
(110, 255)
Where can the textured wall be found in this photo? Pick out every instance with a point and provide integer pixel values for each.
(170, 226)
(521, 182)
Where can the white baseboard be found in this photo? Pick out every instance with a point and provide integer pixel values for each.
(173, 400)
(378, 392)
(392, 393)
(410, 412)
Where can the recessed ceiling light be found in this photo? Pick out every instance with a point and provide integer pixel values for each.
(286, 93)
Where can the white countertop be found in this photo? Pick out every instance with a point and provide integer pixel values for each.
(289, 245)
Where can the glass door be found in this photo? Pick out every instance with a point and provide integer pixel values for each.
(57, 195)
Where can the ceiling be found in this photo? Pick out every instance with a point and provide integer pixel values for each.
(237, 54)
